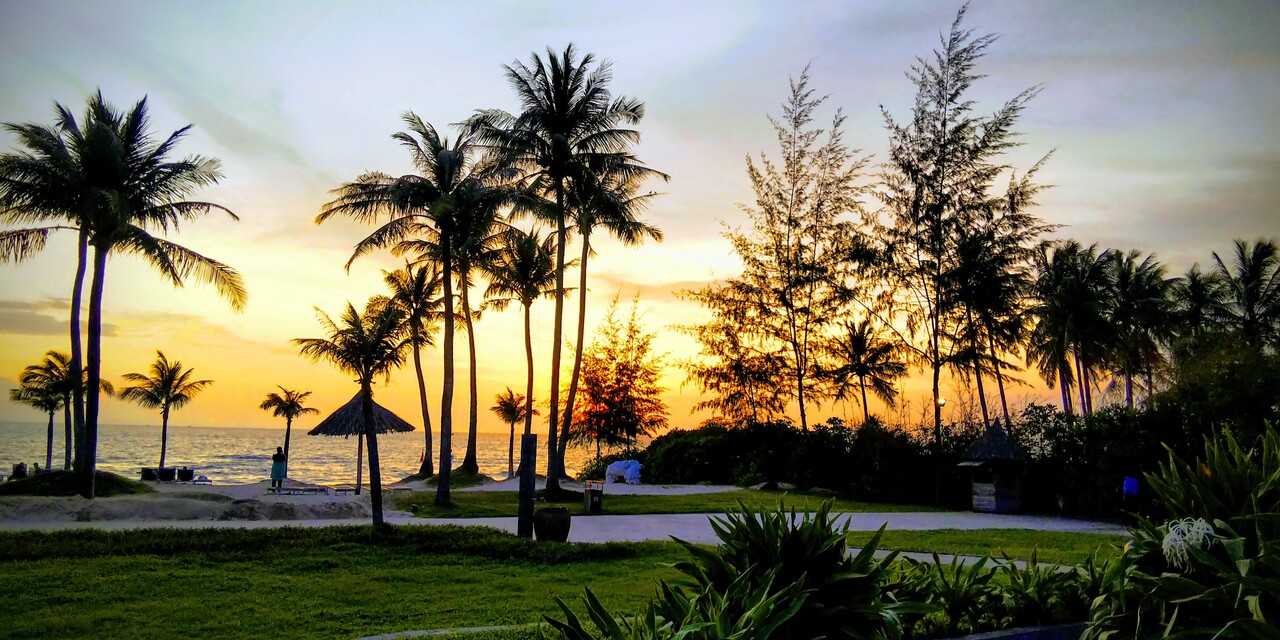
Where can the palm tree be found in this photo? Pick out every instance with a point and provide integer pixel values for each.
(523, 270)
(168, 388)
(45, 399)
(861, 354)
(1252, 289)
(604, 197)
(122, 186)
(52, 376)
(288, 405)
(416, 290)
(510, 407)
(1140, 316)
(366, 346)
(570, 121)
(422, 213)
(1198, 299)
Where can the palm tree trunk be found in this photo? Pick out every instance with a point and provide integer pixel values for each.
(1066, 394)
(164, 433)
(1081, 383)
(528, 387)
(67, 433)
(866, 411)
(995, 362)
(89, 457)
(511, 452)
(982, 394)
(1128, 389)
(77, 356)
(1087, 379)
(288, 428)
(446, 393)
(375, 466)
(469, 464)
(427, 469)
(48, 447)
(577, 351)
(557, 335)
(359, 462)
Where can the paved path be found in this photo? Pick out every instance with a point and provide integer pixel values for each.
(693, 527)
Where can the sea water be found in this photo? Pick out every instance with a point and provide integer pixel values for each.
(243, 455)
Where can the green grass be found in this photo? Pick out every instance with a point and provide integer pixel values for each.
(1053, 547)
(337, 582)
(65, 483)
(491, 504)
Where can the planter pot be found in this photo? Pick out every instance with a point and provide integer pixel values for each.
(551, 523)
(1071, 631)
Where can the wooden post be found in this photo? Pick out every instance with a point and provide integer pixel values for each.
(359, 461)
(528, 477)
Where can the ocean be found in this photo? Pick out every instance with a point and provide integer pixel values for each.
(243, 455)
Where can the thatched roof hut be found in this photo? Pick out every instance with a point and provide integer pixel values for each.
(995, 445)
(348, 421)
(995, 465)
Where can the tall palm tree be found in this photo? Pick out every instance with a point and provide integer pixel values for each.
(604, 197)
(569, 121)
(1198, 299)
(1252, 286)
(46, 400)
(419, 215)
(861, 354)
(1140, 315)
(366, 346)
(510, 407)
(52, 376)
(288, 405)
(523, 270)
(124, 187)
(416, 290)
(168, 388)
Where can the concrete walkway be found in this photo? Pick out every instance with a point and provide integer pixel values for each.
(692, 527)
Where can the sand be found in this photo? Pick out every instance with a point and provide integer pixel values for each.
(177, 502)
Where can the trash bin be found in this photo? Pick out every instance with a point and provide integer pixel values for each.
(593, 496)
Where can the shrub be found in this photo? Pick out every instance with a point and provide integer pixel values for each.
(1211, 568)
(594, 470)
(65, 483)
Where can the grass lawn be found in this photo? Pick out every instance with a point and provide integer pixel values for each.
(339, 582)
(489, 504)
(1054, 547)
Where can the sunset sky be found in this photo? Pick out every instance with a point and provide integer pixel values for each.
(1163, 116)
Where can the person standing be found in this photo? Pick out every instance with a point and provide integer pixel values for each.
(277, 468)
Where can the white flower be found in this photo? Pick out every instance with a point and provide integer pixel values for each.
(1184, 534)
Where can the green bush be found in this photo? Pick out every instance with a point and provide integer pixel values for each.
(66, 483)
(1209, 566)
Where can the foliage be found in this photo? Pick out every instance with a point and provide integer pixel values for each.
(63, 483)
(775, 575)
(1212, 567)
(621, 398)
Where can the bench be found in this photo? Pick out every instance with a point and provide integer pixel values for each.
(298, 491)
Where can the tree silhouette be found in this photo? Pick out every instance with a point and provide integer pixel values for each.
(167, 388)
(288, 405)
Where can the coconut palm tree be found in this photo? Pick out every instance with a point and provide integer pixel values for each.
(569, 121)
(861, 354)
(46, 400)
(1140, 315)
(52, 376)
(416, 290)
(366, 346)
(125, 186)
(510, 407)
(1252, 288)
(1198, 299)
(168, 388)
(288, 405)
(419, 215)
(523, 270)
(604, 197)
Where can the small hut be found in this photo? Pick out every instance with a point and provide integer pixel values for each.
(348, 421)
(995, 463)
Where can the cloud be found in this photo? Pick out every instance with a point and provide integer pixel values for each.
(33, 318)
(650, 291)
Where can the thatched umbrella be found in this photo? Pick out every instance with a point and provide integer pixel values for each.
(348, 421)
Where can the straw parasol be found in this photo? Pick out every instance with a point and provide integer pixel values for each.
(348, 421)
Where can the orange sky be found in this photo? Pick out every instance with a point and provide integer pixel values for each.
(1163, 121)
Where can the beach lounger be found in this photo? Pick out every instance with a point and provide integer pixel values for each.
(343, 489)
(297, 491)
